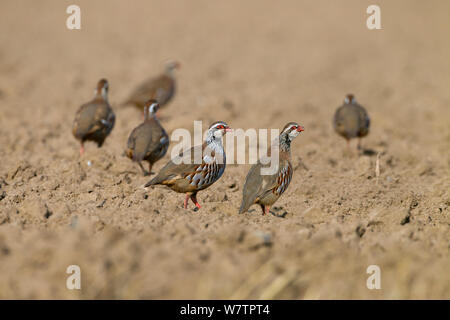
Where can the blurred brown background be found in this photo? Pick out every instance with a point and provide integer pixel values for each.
(254, 64)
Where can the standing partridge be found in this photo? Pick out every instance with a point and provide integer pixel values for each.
(266, 189)
(95, 119)
(148, 141)
(161, 88)
(351, 120)
(196, 168)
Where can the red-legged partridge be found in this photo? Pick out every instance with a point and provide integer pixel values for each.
(94, 120)
(196, 168)
(351, 120)
(148, 141)
(265, 189)
(161, 88)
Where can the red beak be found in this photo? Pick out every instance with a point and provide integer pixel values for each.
(300, 129)
(228, 130)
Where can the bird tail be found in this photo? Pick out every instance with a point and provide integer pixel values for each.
(245, 205)
(133, 155)
(138, 157)
(156, 180)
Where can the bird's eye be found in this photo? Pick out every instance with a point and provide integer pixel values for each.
(220, 127)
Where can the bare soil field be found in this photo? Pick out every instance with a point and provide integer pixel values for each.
(253, 64)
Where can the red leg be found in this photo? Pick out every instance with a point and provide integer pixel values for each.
(194, 200)
(267, 209)
(263, 209)
(81, 149)
(186, 201)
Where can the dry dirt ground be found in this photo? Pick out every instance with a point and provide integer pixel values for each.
(253, 64)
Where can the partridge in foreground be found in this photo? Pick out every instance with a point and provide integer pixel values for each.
(161, 88)
(266, 189)
(148, 141)
(351, 120)
(196, 168)
(94, 120)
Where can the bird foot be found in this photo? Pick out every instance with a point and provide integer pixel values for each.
(147, 173)
(194, 200)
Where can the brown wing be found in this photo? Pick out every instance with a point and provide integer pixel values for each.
(95, 118)
(159, 141)
(177, 168)
(346, 121)
(139, 141)
(364, 121)
(266, 188)
(183, 174)
(256, 186)
(148, 141)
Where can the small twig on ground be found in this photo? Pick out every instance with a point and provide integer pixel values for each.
(377, 167)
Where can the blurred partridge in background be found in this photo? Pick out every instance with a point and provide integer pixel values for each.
(148, 141)
(94, 120)
(351, 120)
(160, 88)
